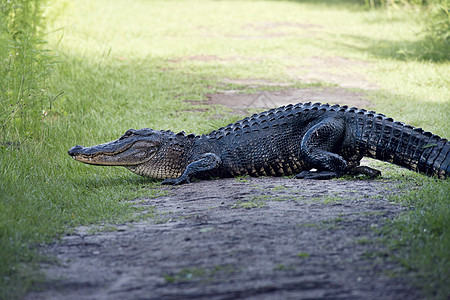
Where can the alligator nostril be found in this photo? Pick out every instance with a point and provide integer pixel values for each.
(75, 150)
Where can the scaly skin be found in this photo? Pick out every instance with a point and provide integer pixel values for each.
(290, 140)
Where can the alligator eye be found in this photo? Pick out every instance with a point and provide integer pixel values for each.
(128, 133)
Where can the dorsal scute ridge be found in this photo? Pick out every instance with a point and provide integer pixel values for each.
(253, 118)
(282, 113)
(436, 137)
(181, 135)
(280, 110)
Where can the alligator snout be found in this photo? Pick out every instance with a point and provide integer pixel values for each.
(75, 150)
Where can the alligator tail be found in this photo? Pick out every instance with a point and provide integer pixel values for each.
(382, 138)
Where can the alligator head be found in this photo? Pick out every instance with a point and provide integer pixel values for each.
(146, 152)
(135, 147)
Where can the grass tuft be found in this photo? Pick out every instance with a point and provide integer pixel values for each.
(420, 238)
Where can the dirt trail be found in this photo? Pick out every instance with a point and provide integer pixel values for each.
(252, 238)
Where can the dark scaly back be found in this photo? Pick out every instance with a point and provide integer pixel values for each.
(380, 137)
(267, 143)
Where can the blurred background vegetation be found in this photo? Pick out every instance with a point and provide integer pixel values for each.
(436, 28)
(26, 64)
(25, 67)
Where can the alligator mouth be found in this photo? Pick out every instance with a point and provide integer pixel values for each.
(89, 155)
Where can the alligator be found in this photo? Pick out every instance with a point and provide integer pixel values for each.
(310, 141)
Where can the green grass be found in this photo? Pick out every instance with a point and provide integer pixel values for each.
(200, 274)
(303, 255)
(420, 239)
(132, 64)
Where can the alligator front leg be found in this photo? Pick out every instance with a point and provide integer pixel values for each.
(317, 146)
(205, 163)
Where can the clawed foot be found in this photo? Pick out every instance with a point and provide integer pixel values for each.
(364, 170)
(316, 175)
(176, 181)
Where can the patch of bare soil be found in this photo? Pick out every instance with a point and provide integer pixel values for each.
(267, 30)
(240, 102)
(212, 58)
(252, 238)
(344, 72)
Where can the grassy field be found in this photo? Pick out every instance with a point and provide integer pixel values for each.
(131, 64)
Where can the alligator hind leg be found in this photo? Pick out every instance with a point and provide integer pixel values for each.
(317, 149)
